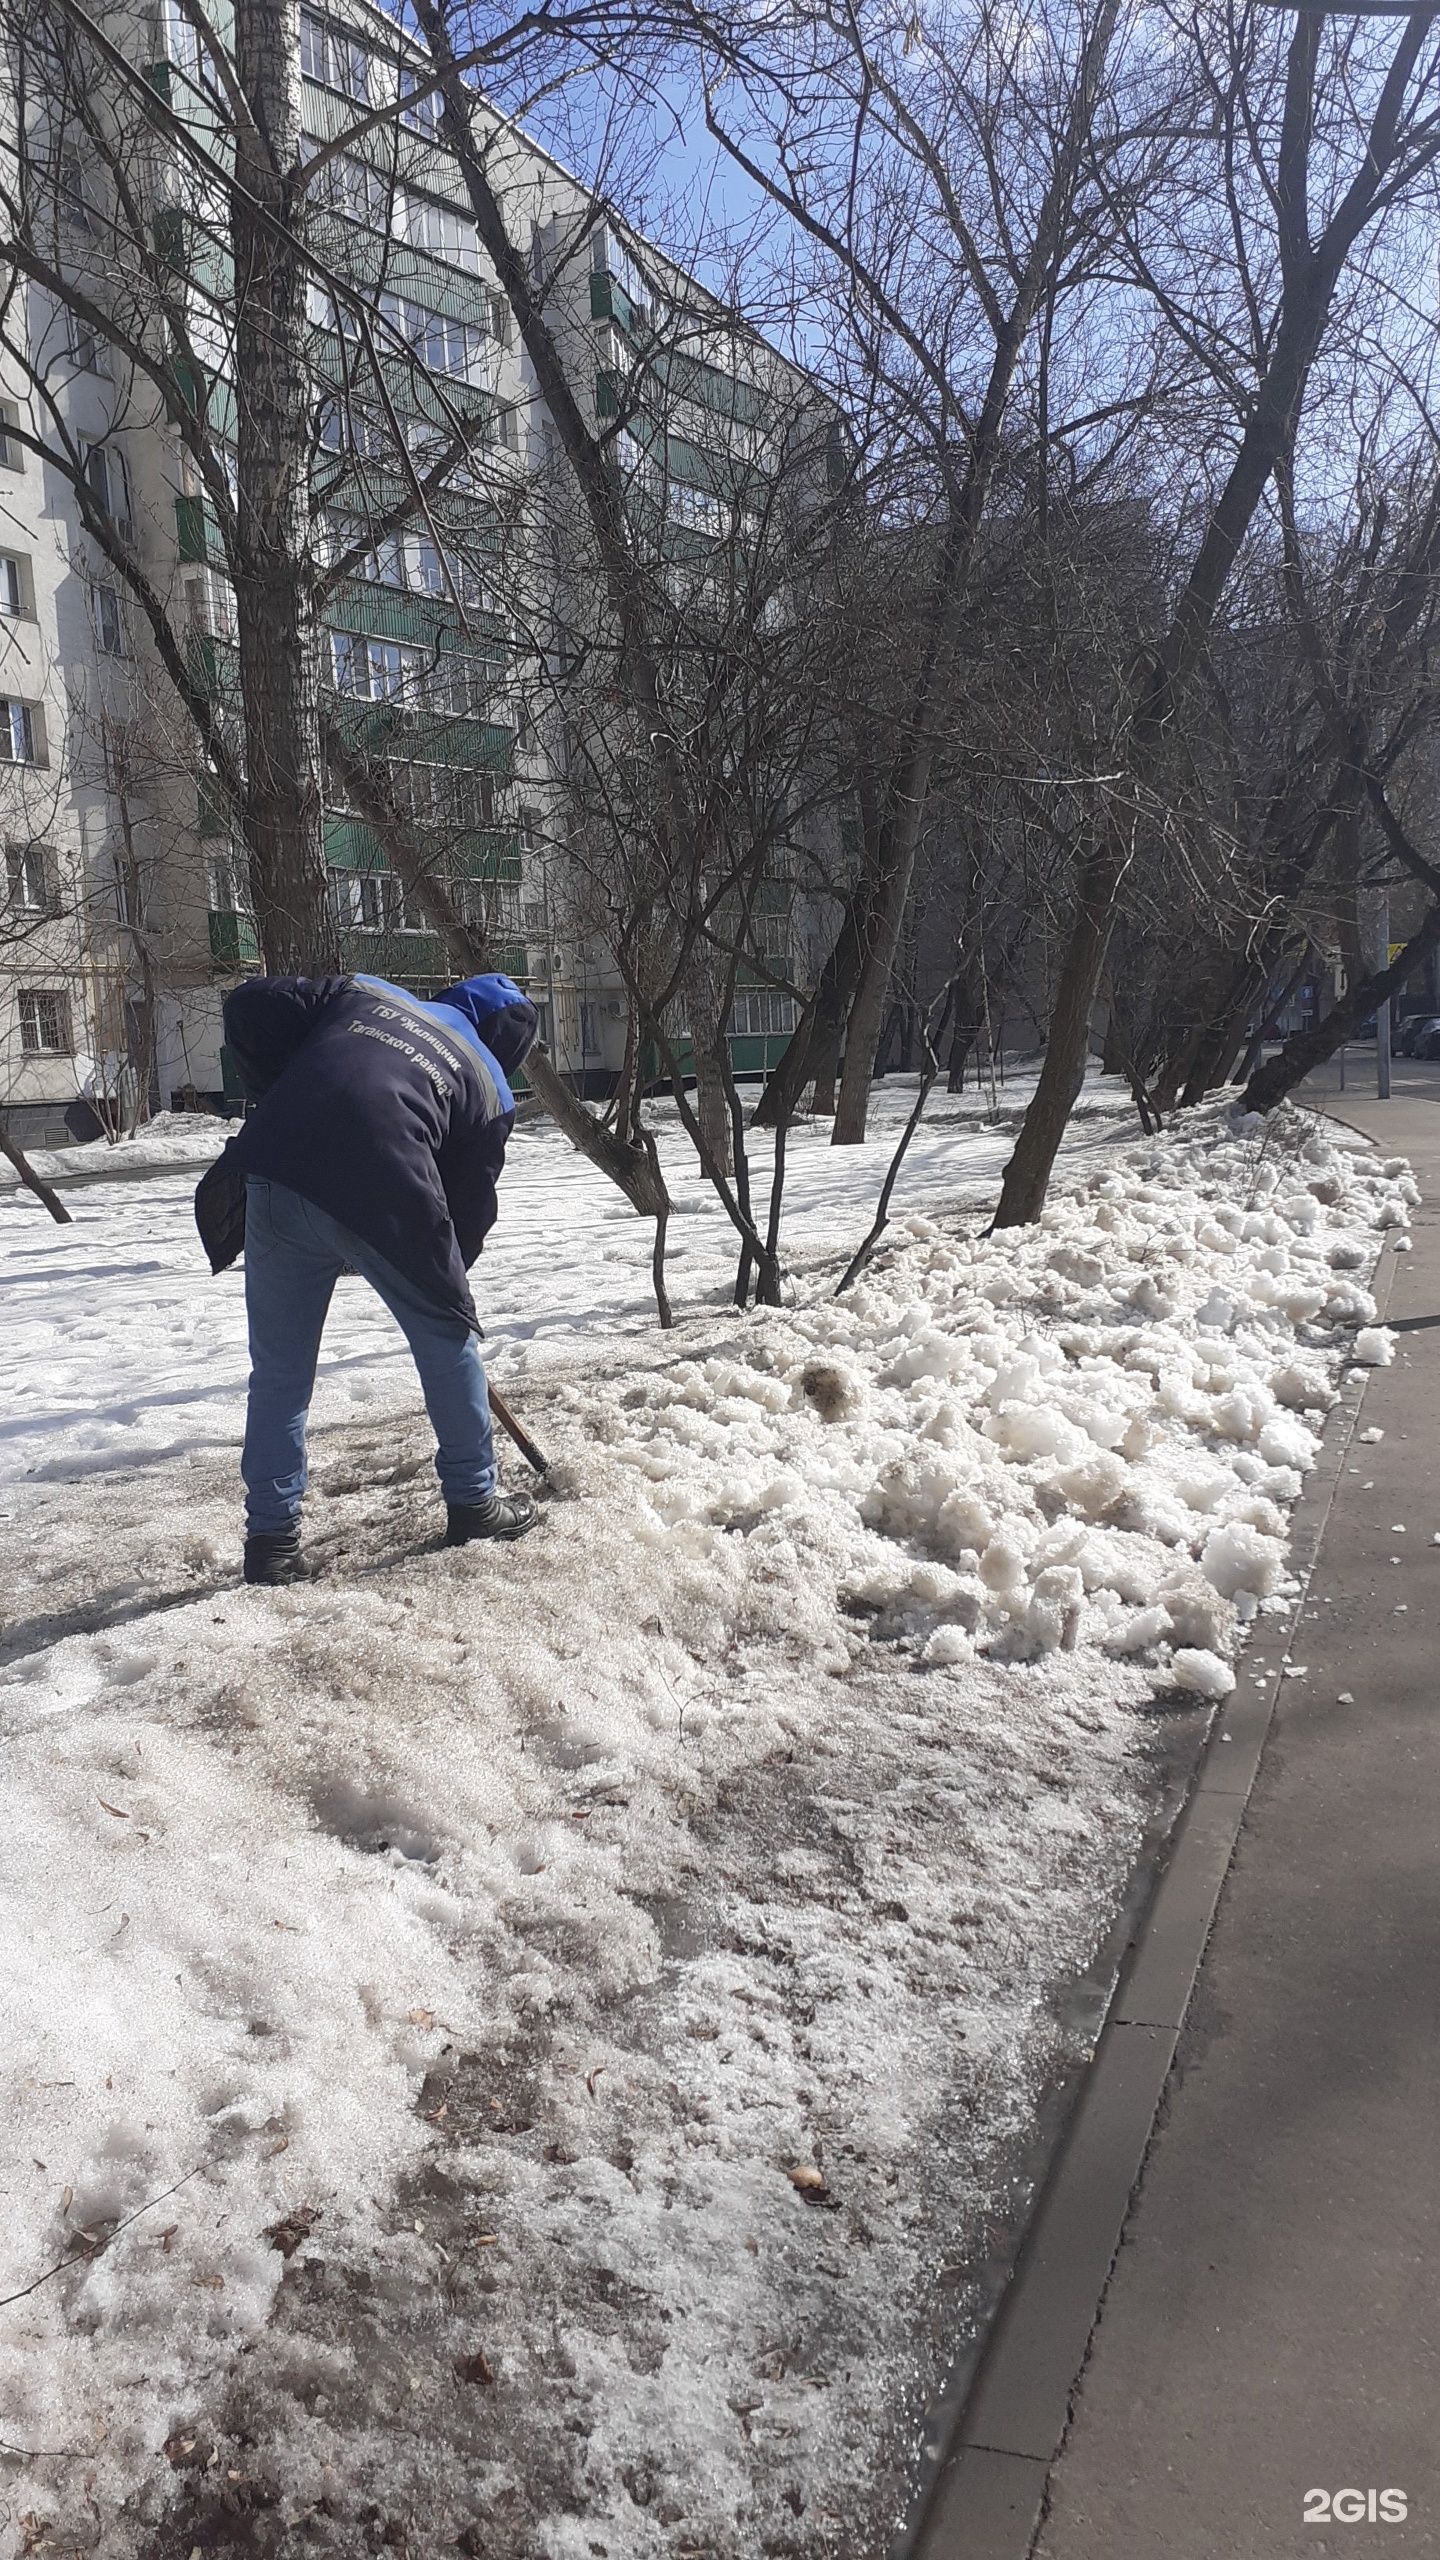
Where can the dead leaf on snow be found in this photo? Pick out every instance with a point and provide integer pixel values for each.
(476, 2368)
(287, 2234)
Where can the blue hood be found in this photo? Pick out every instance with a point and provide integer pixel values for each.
(500, 1012)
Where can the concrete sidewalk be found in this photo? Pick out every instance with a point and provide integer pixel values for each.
(1271, 2327)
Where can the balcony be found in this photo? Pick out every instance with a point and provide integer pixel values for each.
(610, 301)
(234, 942)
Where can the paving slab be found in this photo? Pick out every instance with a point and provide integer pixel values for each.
(1269, 2344)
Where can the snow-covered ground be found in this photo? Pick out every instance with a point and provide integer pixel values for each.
(556, 2017)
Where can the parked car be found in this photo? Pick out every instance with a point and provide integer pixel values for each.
(1415, 1028)
(1428, 1044)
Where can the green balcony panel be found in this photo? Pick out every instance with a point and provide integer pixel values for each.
(234, 942)
(689, 378)
(492, 856)
(610, 301)
(190, 528)
(403, 958)
(213, 809)
(351, 845)
(215, 666)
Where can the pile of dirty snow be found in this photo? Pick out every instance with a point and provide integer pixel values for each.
(1087, 1432)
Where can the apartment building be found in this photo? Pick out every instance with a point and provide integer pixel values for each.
(450, 626)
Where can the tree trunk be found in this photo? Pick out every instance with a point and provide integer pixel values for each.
(1306, 1050)
(276, 612)
(32, 1180)
(1027, 1175)
(1265, 1030)
(1229, 1042)
(1189, 1068)
(965, 1037)
(867, 1010)
(705, 1000)
(814, 1044)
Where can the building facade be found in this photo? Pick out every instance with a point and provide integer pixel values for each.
(457, 631)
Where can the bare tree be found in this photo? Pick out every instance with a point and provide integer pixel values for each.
(1306, 163)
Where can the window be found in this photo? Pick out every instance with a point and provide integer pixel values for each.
(462, 797)
(466, 686)
(589, 1029)
(180, 40)
(88, 352)
(610, 257)
(421, 109)
(44, 1020)
(406, 913)
(376, 670)
(109, 618)
(73, 192)
(30, 873)
(335, 60)
(351, 187)
(438, 228)
(125, 881)
(14, 585)
(386, 563)
(359, 905)
(229, 883)
(427, 572)
(11, 456)
(17, 732)
(697, 509)
(443, 344)
(761, 1012)
(211, 602)
(379, 563)
(345, 427)
(107, 480)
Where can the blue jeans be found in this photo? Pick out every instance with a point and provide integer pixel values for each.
(294, 1254)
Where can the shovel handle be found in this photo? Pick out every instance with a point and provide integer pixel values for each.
(533, 1455)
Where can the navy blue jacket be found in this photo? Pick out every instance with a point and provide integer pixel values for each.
(389, 1112)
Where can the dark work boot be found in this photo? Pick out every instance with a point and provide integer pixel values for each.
(276, 1559)
(500, 1515)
